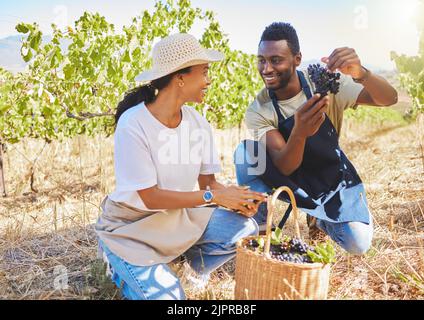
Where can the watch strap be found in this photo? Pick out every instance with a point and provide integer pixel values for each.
(365, 77)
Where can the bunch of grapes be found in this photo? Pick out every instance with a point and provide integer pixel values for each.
(291, 257)
(290, 250)
(324, 80)
(297, 245)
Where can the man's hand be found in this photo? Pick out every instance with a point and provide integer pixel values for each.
(288, 156)
(346, 61)
(309, 118)
(377, 91)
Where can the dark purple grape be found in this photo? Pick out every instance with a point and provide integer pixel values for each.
(253, 243)
(298, 246)
(285, 247)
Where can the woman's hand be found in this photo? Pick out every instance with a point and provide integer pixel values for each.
(239, 199)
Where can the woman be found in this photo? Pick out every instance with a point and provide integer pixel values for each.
(162, 149)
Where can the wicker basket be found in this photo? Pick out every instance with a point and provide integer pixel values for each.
(258, 277)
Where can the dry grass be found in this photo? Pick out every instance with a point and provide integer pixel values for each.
(47, 236)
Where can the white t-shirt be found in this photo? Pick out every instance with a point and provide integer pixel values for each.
(147, 153)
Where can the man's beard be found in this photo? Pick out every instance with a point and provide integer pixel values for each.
(284, 79)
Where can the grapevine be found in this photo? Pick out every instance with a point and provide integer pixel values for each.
(73, 83)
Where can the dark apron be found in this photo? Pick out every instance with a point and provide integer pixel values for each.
(326, 185)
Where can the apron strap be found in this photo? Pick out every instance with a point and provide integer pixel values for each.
(306, 90)
(277, 109)
(305, 86)
(285, 217)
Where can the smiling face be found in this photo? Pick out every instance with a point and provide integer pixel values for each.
(276, 63)
(195, 82)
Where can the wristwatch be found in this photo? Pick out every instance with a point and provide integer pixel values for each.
(208, 195)
(361, 80)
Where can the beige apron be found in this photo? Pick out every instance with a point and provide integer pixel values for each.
(146, 238)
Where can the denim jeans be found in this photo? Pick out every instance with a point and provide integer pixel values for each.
(354, 237)
(158, 282)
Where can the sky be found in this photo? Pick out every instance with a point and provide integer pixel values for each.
(372, 27)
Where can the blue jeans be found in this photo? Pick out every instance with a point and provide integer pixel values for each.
(354, 237)
(216, 246)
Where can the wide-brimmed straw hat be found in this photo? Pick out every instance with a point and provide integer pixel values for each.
(176, 52)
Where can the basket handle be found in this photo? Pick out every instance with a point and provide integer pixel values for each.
(271, 206)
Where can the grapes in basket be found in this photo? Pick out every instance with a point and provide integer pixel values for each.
(293, 249)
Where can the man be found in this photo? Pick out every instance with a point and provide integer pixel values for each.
(299, 134)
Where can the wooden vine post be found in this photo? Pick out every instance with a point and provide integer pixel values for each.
(2, 183)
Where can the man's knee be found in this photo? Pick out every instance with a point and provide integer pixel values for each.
(240, 164)
(252, 228)
(239, 153)
(357, 238)
(358, 247)
(249, 161)
(249, 153)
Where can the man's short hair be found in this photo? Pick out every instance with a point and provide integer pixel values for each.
(282, 31)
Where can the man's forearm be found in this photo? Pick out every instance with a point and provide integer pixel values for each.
(290, 157)
(380, 90)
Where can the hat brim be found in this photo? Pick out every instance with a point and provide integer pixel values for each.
(153, 74)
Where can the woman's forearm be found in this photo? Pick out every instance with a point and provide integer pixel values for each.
(233, 197)
(155, 198)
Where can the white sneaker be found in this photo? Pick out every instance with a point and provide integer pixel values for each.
(193, 279)
(102, 256)
(198, 282)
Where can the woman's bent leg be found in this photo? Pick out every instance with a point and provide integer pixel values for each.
(156, 282)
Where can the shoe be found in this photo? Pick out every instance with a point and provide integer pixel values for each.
(197, 281)
(316, 235)
(101, 255)
(191, 278)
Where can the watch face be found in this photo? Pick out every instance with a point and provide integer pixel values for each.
(207, 196)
